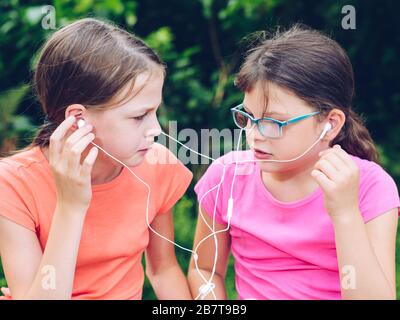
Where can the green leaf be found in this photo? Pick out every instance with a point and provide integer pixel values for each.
(10, 100)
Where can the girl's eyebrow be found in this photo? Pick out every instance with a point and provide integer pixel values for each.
(276, 114)
(247, 110)
(146, 109)
(149, 108)
(268, 113)
(158, 105)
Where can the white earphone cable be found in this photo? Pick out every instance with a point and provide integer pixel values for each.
(208, 286)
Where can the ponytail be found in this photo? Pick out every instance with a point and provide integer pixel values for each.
(42, 137)
(355, 139)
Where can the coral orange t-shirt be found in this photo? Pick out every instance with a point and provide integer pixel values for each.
(115, 232)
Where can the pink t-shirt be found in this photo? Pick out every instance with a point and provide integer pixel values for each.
(285, 250)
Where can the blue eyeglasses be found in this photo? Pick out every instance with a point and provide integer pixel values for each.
(268, 127)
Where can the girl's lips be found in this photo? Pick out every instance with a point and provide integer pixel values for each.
(262, 155)
(145, 149)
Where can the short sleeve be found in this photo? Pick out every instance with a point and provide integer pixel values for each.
(174, 180)
(209, 191)
(378, 193)
(13, 197)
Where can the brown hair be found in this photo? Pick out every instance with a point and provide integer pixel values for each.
(317, 70)
(88, 62)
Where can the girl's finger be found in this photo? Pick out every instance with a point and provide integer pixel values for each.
(326, 151)
(324, 182)
(76, 151)
(345, 157)
(57, 136)
(336, 161)
(89, 161)
(327, 168)
(5, 291)
(77, 135)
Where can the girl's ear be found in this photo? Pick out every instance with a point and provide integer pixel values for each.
(76, 110)
(337, 119)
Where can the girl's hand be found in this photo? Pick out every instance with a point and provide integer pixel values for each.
(73, 179)
(338, 176)
(6, 294)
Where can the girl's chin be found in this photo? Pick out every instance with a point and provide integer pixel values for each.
(134, 161)
(270, 167)
(276, 166)
(136, 158)
(289, 168)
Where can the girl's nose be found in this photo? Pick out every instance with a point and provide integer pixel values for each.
(154, 128)
(255, 133)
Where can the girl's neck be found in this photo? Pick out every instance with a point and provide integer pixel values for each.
(291, 185)
(105, 169)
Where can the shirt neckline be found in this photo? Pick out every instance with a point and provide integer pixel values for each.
(283, 204)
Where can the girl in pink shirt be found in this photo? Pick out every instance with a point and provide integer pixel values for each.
(322, 226)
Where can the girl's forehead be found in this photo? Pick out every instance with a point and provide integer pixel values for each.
(274, 101)
(144, 92)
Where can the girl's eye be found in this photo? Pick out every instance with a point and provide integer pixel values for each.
(140, 117)
(250, 114)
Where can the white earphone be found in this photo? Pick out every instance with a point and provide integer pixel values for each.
(327, 127)
(80, 123)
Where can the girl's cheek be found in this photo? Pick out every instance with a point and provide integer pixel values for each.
(249, 140)
(249, 135)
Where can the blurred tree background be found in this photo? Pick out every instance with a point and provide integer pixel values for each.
(200, 42)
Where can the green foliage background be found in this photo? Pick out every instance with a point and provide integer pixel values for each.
(199, 40)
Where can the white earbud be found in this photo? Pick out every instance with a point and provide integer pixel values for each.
(327, 127)
(81, 123)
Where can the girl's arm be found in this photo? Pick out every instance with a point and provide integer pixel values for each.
(366, 255)
(206, 254)
(30, 274)
(162, 268)
(365, 251)
(33, 275)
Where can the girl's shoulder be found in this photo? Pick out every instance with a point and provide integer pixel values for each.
(160, 155)
(166, 175)
(161, 164)
(23, 177)
(23, 174)
(378, 192)
(23, 158)
(23, 165)
(371, 171)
